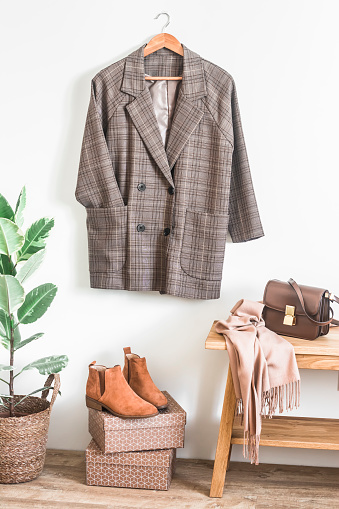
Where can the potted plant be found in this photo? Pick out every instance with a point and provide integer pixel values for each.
(24, 419)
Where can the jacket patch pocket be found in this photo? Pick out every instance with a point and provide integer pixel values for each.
(107, 236)
(203, 245)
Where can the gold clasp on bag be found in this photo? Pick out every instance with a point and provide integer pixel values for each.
(289, 318)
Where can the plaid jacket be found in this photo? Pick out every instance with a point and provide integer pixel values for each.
(158, 213)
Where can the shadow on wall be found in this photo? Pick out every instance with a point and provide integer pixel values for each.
(203, 431)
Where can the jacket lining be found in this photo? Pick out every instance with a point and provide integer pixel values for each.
(164, 95)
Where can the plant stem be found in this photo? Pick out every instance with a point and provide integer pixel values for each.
(11, 375)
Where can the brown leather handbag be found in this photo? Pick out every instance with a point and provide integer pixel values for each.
(299, 311)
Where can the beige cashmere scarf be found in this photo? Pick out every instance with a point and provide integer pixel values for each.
(264, 369)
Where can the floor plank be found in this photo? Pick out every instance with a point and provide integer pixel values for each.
(62, 485)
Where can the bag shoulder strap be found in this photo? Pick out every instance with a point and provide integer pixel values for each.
(302, 303)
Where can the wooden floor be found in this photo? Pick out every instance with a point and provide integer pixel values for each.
(62, 485)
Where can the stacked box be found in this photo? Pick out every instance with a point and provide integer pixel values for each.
(134, 453)
(150, 470)
(164, 431)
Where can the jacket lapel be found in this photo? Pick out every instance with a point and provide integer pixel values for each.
(187, 113)
(185, 119)
(141, 111)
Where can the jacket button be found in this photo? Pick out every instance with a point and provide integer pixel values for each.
(141, 228)
(141, 186)
(171, 190)
(167, 231)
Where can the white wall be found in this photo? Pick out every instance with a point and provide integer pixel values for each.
(283, 56)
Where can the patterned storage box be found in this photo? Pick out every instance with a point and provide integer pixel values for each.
(164, 431)
(149, 470)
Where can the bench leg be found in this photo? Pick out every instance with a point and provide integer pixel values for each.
(223, 450)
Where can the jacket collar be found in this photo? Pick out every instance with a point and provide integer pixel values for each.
(193, 76)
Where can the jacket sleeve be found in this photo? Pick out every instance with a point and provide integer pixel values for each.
(244, 220)
(96, 184)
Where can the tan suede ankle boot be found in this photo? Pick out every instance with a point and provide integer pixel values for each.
(136, 373)
(107, 388)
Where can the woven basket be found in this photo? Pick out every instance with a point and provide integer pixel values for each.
(23, 439)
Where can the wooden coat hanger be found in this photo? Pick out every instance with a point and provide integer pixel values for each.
(163, 41)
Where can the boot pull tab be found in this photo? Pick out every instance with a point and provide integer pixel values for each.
(127, 350)
(92, 363)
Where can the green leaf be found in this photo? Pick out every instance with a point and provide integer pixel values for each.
(3, 367)
(36, 303)
(33, 248)
(11, 237)
(7, 266)
(28, 340)
(3, 400)
(48, 365)
(19, 209)
(5, 208)
(12, 294)
(5, 324)
(34, 392)
(30, 266)
(16, 339)
(6, 343)
(35, 238)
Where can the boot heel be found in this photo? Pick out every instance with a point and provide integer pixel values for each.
(91, 403)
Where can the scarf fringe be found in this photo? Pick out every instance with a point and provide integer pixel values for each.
(271, 400)
(251, 447)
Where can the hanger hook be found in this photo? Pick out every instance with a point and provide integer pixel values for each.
(168, 20)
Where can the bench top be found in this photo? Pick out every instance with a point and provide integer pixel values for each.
(324, 345)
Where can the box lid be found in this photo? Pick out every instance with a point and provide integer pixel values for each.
(155, 458)
(173, 415)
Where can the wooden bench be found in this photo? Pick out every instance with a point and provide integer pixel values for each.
(280, 431)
